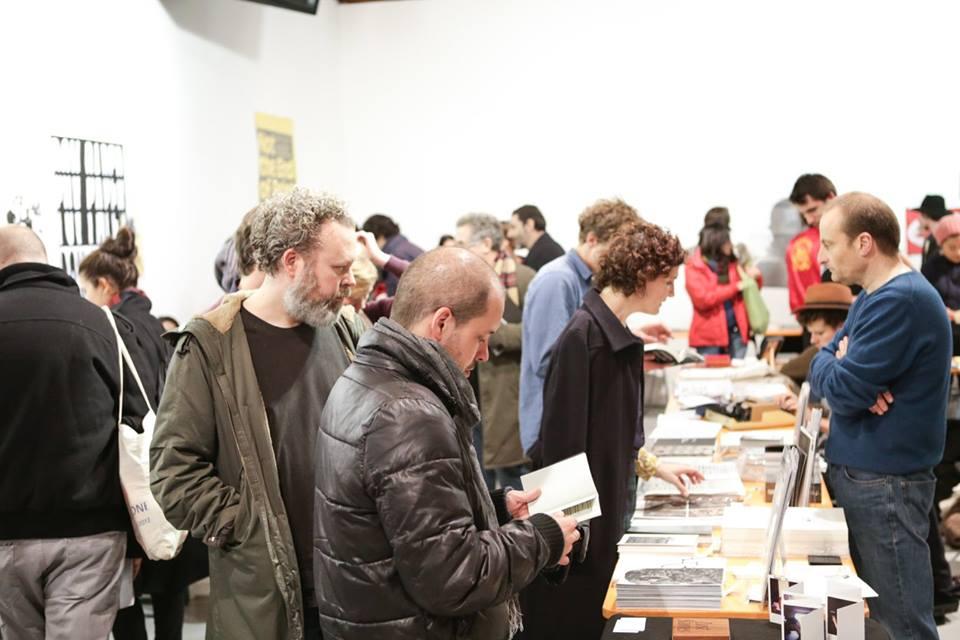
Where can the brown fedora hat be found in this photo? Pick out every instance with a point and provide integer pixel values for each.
(827, 295)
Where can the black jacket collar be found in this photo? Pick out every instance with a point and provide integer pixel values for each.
(31, 274)
(617, 334)
(389, 345)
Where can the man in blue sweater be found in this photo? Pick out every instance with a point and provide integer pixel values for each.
(886, 375)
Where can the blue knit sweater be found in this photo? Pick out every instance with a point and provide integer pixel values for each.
(899, 342)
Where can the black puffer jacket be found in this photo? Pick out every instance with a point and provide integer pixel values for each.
(407, 541)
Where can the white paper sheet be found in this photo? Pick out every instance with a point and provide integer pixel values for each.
(566, 486)
(630, 625)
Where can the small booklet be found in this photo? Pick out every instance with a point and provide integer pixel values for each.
(566, 486)
(671, 353)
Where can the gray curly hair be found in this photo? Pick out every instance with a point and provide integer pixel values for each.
(482, 226)
(292, 221)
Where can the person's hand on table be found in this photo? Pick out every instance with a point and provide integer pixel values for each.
(655, 332)
(679, 476)
(788, 402)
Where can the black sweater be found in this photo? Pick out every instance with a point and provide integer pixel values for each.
(59, 382)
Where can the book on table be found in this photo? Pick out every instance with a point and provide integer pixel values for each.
(653, 544)
(697, 514)
(660, 582)
(679, 435)
(671, 353)
(719, 478)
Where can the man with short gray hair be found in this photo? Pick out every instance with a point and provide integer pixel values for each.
(232, 457)
(498, 380)
(409, 544)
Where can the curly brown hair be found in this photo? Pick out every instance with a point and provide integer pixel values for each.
(638, 253)
(292, 220)
(605, 217)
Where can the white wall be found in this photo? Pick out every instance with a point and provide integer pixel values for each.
(458, 105)
(427, 109)
(177, 83)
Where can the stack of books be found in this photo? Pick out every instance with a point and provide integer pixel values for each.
(657, 544)
(645, 582)
(677, 435)
(698, 514)
(805, 531)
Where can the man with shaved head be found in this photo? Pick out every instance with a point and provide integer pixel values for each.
(886, 375)
(402, 516)
(62, 514)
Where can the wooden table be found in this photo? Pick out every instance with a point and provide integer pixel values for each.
(783, 332)
(735, 604)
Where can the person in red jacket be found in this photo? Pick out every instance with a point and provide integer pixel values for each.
(720, 322)
(810, 193)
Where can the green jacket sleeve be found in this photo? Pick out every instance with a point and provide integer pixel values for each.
(183, 476)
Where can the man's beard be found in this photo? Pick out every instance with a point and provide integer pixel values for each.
(302, 304)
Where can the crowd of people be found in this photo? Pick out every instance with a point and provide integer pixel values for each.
(343, 434)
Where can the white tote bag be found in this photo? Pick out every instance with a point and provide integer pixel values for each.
(160, 539)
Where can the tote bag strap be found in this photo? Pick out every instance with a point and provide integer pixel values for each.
(125, 355)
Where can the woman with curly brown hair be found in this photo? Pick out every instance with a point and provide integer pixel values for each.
(593, 404)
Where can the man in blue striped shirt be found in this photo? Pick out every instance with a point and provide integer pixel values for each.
(555, 293)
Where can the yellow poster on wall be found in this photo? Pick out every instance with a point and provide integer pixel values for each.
(278, 167)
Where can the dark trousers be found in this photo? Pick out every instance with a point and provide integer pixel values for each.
(168, 611)
(311, 624)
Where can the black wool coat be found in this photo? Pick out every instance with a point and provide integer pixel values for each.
(592, 403)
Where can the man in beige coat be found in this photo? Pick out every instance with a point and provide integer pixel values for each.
(232, 457)
(499, 377)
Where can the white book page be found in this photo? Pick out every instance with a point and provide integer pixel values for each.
(719, 478)
(566, 486)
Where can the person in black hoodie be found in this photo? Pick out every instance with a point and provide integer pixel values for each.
(63, 521)
(109, 276)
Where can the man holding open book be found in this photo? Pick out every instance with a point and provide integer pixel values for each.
(408, 541)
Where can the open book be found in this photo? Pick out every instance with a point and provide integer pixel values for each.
(566, 486)
(671, 353)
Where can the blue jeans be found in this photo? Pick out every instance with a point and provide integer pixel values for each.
(888, 518)
(737, 347)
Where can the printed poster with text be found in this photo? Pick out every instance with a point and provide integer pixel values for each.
(278, 167)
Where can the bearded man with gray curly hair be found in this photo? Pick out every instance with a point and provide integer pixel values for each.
(232, 455)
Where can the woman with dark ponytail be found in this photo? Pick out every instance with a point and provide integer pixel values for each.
(108, 276)
(720, 323)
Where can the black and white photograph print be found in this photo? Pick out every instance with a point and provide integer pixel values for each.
(91, 196)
